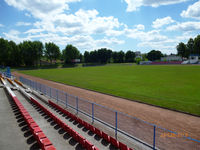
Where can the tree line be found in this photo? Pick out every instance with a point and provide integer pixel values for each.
(33, 53)
(191, 47)
(105, 55)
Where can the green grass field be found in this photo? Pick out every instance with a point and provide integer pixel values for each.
(174, 87)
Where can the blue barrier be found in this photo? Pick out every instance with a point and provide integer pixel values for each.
(147, 133)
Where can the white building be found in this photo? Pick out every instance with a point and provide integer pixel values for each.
(171, 58)
(193, 59)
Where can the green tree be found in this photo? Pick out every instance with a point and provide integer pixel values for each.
(138, 59)
(71, 53)
(121, 56)
(118, 57)
(197, 45)
(181, 49)
(52, 51)
(87, 57)
(15, 54)
(38, 46)
(94, 56)
(28, 53)
(129, 56)
(190, 47)
(104, 55)
(4, 52)
(154, 55)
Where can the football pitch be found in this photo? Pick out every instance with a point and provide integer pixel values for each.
(176, 87)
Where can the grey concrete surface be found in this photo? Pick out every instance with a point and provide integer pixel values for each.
(12, 133)
(60, 140)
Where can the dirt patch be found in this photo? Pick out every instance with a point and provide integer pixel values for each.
(168, 119)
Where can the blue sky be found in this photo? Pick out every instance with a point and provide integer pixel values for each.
(138, 25)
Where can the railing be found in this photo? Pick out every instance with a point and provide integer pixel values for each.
(146, 133)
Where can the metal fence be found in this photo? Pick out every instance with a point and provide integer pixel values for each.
(149, 134)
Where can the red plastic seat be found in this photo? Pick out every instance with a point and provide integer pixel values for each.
(86, 125)
(114, 142)
(88, 145)
(39, 136)
(29, 121)
(65, 127)
(33, 125)
(36, 130)
(75, 136)
(70, 131)
(27, 117)
(80, 121)
(106, 137)
(98, 132)
(49, 147)
(81, 140)
(45, 142)
(122, 146)
(91, 128)
(66, 112)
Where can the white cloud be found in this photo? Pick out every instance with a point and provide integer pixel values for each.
(1, 25)
(168, 45)
(80, 23)
(23, 24)
(33, 31)
(193, 11)
(27, 14)
(150, 36)
(185, 26)
(140, 27)
(78, 28)
(41, 8)
(108, 41)
(133, 5)
(152, 40)
(158, 23)
(15, 36)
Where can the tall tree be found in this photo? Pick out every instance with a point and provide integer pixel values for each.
(28, 53)
(197, 45)
(15, 54)
(4, 52)
(94, 56)
(104, 55)
(190, 47)
(52, 51)
(121, 56)
(129, 56)
(38, 46)
(71, 53)
(181, 49)
(87, 57)
(154, 55)
(118, 57)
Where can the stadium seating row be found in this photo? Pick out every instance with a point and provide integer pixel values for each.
(90, 127)
(41, 138)
(18, 82)
(76, 136)
(10, 81)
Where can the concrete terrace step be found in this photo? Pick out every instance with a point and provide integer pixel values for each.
(12, 136)
(51, 130)
(91, 137)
